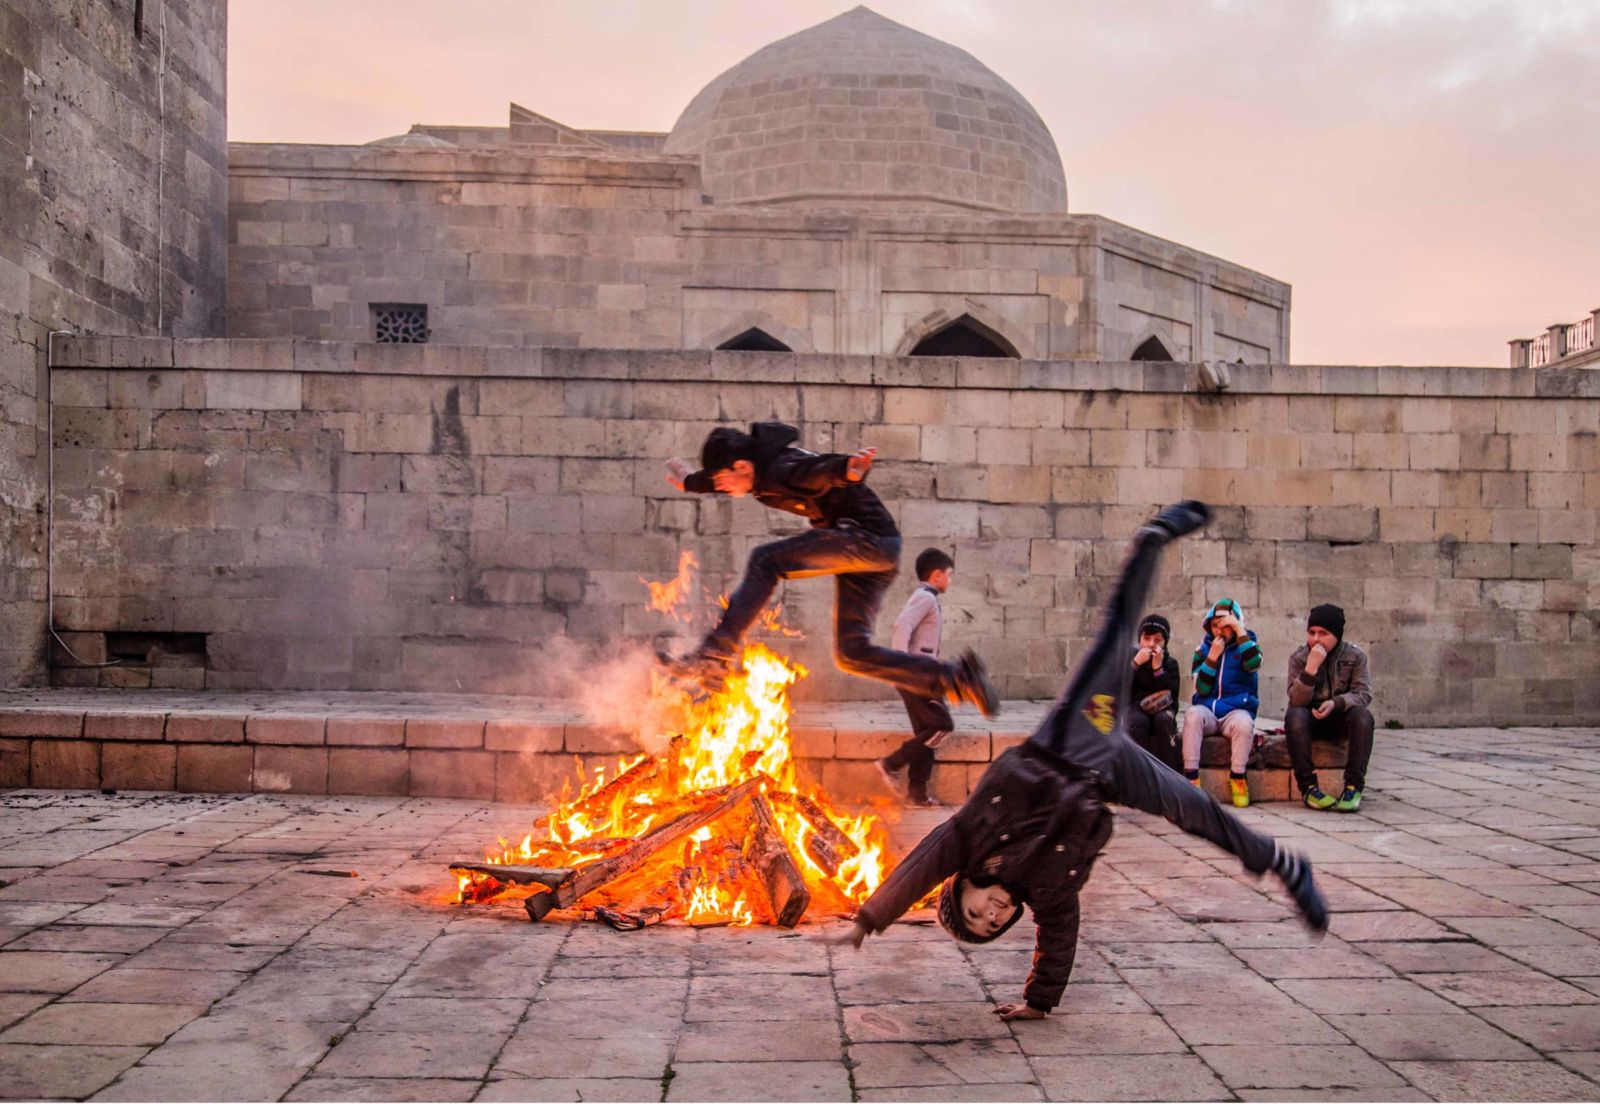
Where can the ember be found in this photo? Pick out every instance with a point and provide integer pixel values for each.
(718, 829)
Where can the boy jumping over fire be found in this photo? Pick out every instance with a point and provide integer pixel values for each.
(852, 537)
(1031, 830)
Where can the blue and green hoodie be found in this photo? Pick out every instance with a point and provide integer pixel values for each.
(1232, 684)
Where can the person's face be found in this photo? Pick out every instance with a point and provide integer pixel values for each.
(1321, 636)
(1222, 625)
(737, 481)
(1153, 641)
(940, 580)
(985, 911)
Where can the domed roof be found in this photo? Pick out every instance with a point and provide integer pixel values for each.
(862, 112)
(415, 139)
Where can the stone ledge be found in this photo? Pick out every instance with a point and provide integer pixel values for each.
(445, 745)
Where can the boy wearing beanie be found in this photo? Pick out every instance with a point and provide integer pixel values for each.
(1226, 694)
(1330, 695)
(1029, 833)
(1153, 693)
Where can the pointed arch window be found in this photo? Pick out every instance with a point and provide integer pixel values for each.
(965, 337)
(1151, 349)
(755, 340)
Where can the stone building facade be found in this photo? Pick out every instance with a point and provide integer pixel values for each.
(113, 220)
(855, 188)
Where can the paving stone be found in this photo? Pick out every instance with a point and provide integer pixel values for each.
(1335, 995)
(1549, 1027)
(386, 1088)
(30, 1072)
(14, 1006)
(1361, 927)
(760, 1041)
(431, 1054)
(1284, 1022)
(599, 1009)
(123, 984)
(619, 1088)
(417, 1014)
(530, 1052)
(798, 1081)
(968, 1062)
(771, 997)
(882, 987)
(1096, 1033)
(50, 971)
(1496, 1081)
(1440, 958)
(1269, 1065)
(923, 1023)
(103, 1024)
(1024, 1091)
(1429, 1036)
(1328, 960)
(1533, 931)
(1503, 988)
(1128, 1077)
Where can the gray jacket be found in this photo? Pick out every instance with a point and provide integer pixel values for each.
(921, 624)
(1343, 677)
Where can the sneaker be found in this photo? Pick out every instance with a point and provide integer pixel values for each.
(1316, 799)
(699, 669)
(973, 685)
(1195, 782)
(887, 773)
(1349, 800)
(1240, 789)
(1182, 519)
(1295, 872)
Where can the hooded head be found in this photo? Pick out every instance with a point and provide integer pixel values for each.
(1224, 605)
(953, 915)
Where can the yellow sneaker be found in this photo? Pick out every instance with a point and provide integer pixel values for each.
(1241, 792)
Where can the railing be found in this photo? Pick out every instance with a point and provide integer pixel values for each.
(1558, 342)
(1580, 336)
(1539, 352)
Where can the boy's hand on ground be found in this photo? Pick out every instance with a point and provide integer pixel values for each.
(859, 464)
(855, 936)
(678, 469)
(1323, 711)
(1020, 1011)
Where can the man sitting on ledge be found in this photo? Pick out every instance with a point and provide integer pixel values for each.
(1330, 693)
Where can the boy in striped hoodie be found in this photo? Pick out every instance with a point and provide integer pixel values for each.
(1225, 694)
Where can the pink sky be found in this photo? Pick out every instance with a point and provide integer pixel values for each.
(1424, 174)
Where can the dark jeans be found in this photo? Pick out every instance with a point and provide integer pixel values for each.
(1157, 733)
(930, 720)
(1087, 726)
(1354, 726)
(864, 565)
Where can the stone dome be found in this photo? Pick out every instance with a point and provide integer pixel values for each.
(413, 139)
(862, 112)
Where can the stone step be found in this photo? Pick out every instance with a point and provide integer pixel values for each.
(479, 746)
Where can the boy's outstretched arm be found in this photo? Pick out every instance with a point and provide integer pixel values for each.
(941, 854)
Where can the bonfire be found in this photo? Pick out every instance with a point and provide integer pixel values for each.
(720, 827)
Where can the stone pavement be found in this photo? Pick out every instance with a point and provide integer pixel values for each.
(161, 946)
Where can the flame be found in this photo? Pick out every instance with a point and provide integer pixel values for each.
(736, 734)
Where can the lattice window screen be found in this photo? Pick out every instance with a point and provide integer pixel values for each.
(400, 323)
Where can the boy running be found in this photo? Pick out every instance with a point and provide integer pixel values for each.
(918, 630)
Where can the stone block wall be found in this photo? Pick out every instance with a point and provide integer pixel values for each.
(390, 517)
(112, 221)
(566, 248)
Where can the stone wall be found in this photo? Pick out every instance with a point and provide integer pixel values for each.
(557, 247)
(426, 517)
(112, 221)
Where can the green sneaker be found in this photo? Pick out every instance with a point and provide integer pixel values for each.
(1316, 799)
(1350, 800)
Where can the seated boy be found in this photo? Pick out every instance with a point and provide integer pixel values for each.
(1033, 827)
(1153, 697)
(918, 631)
(1225, 695)
(852, 537)
(1330, 692)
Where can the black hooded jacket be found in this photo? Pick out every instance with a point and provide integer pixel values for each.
(813, 485)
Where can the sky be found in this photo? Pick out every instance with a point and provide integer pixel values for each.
(1425, 173)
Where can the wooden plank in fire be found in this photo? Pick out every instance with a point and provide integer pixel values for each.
(826, 843)
(619, 787)
(767, 851)
(595, 875)
(551, 876)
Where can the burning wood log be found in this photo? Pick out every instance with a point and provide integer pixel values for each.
(826, 843)
(675, 749)
(550, 876)
(592, 877)
(765, 850)
(619, 788)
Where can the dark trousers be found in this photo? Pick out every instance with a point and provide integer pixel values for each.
(1157, 733)
(864, 565)
(1088, 729)
(930, 720)
(1354, 726)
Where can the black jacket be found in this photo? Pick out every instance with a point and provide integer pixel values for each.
(810, 484)
(1146, 682)
(1037, 828)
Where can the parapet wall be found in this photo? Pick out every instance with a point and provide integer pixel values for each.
(291, 514)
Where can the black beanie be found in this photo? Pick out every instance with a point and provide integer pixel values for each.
(725, 445)
(1327, 616)
(1156, 623)
(951, 920)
